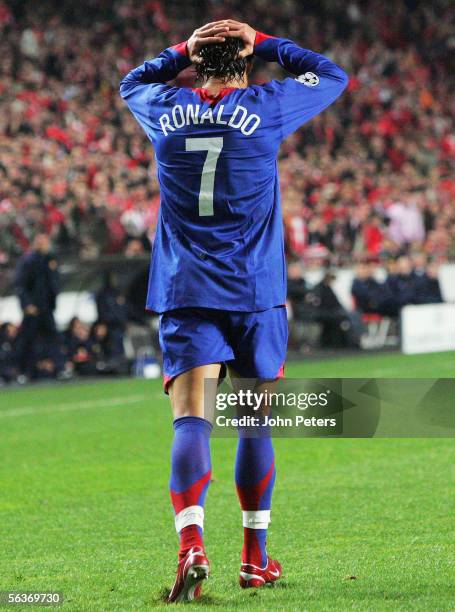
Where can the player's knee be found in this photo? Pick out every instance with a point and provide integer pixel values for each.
(186, 403)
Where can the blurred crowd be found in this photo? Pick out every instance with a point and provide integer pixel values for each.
(408, 280)
(380, 290)
(81, 350)
(37, 350)
(372, 177)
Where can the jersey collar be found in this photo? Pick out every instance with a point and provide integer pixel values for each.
(206, 96)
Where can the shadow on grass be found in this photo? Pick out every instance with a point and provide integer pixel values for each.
(160, 597)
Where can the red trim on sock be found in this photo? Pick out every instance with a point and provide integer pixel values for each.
(190, 497)
(250, 497)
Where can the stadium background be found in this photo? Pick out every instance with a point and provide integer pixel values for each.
(369, 183)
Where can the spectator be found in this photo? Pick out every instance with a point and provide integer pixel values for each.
(37, 286)
(427, 287)
(373, 235)
(340, 328)
(77, 347)
(297, 291)
(136, 296)
(403, 285)
(113, 311)
(406, 222)
(9, 364)
(108, 357)
(370, 296)
(47, 359)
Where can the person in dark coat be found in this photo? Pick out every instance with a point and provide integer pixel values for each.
(77, 347)
(136, 295)
(427, 287)
(366, 290)
(340, 328)
(37, 286)
(404, 283)
(297, 291)
(371, 296)
(113, 311)
(106, 354)
(9, 369)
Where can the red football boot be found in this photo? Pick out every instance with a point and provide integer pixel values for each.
(191, 571)
(252, 576)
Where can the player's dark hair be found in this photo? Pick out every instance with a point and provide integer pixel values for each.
(221, 60)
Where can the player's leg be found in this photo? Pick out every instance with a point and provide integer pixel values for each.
(191, 471)
(186, 391)
(262, 342)
(188, 338)
(255, 475)
(190, 455)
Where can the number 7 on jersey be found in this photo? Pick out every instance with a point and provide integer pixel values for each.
(213, 147)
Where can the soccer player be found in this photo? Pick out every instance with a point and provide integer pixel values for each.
(218, 274)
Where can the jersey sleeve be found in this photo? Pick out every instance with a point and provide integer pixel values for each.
(318, 81)
(141, 87)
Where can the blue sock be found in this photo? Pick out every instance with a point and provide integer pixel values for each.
(255, 478)
(191, 471)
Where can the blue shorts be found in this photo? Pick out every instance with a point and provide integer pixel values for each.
(252, 343)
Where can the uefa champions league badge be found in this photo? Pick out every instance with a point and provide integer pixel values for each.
(309, 79)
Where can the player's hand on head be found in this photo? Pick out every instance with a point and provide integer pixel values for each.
(214, 32)
(245, 33)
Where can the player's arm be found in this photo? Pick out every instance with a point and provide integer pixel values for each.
(318, 82)
(160, 70)
(140, 86)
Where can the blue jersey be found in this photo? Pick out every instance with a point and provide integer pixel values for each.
(219, 240)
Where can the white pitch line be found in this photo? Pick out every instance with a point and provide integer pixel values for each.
(69, 406)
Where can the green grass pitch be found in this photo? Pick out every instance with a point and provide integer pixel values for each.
(84, 509)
